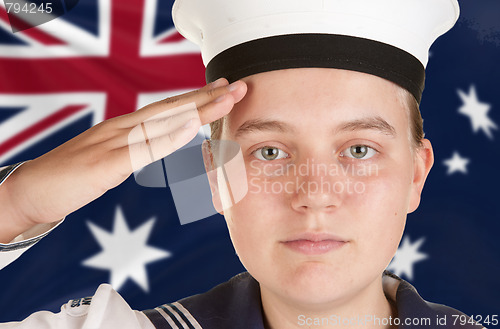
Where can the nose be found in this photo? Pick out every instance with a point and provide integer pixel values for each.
(320, 188)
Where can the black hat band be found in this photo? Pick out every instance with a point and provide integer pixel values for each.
(319, 50)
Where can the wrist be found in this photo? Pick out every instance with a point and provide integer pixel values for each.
(12, 220)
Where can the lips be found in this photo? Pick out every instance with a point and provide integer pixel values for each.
(314, 243)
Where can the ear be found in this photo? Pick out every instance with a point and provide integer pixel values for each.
(423, 160)
(211, 169)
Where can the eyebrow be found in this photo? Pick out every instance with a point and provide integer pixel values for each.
(258, 125)
(370, 123)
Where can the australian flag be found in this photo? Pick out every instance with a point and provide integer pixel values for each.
(104, 58)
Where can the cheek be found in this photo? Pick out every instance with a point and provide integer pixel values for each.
(381, 211)
(252, 224)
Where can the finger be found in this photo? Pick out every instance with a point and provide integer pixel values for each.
(200, 97)
(168, 121)
(218, 85)
(173, 112)
(222, 105)
(162, 125)
(146, 152)
(216, 109)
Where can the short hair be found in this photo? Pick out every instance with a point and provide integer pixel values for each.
(415, 132)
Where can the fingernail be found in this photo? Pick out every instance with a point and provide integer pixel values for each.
(233, 86)
(188, 124)
(220, 99)
(218, 83)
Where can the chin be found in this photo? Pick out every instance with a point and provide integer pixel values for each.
(314, 283)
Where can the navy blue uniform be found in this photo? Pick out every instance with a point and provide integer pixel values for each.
(236, 304)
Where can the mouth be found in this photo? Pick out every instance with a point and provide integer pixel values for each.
(314, 244)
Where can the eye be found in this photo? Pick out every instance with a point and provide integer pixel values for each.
(268, 153)
(362, 152)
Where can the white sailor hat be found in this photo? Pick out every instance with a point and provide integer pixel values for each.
(386, 38)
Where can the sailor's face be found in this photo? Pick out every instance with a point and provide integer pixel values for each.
(331, 177)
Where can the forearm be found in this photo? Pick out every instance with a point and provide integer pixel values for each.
(50, 187)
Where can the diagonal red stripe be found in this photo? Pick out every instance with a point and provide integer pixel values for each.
(39, 127)
(121, 76)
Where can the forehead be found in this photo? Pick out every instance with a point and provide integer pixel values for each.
(319, 99)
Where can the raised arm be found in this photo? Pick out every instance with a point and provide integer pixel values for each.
(48, 188)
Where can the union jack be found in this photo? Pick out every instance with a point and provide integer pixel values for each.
(104, 58)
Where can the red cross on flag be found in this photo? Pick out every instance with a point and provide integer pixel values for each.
(104, 57)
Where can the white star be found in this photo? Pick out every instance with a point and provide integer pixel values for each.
(456, 163)
(406, 256)
(476, 111)
(125, 253)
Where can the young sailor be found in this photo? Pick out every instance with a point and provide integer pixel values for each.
(326, 85)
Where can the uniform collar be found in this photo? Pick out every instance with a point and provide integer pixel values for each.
(237, 304)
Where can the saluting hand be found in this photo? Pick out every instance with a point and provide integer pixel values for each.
(46, 189)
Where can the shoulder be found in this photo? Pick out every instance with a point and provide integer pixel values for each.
(414, 311)
(232, 304)
(226, 294)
